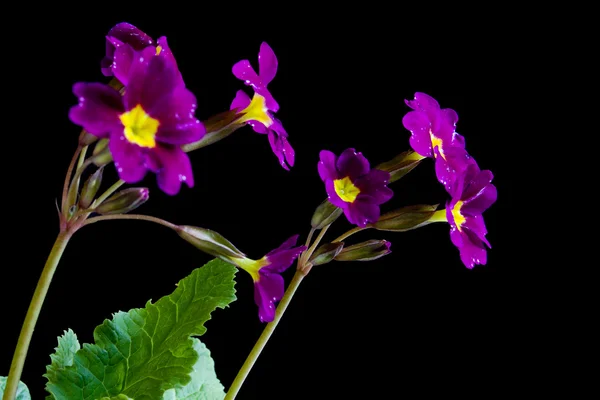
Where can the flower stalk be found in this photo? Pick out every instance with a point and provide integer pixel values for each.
(16, 367)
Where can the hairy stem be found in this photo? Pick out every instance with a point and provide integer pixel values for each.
(16, 367)
(301, 272)
(138, 217)
(348, 233)
(264, 337)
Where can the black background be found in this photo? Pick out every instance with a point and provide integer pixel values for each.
(415, 321)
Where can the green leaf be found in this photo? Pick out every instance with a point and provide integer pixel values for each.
(204, 384)
(147, 351)
(22, 391)
(68, 345)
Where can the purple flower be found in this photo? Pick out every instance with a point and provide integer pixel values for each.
(146, 126)
(257, 112)
(122, 43)
(472, 194)
(266, 273)
(433, 135)
(353, 186)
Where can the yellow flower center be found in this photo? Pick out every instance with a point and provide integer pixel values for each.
(257, 111)
(459, 219)
(436, 142)
(140, 128)
(346, 189)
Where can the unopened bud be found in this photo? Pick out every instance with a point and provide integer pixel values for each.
(85, 139)
(101, 154)
(326, 253)
(365, 251)
(210, 242)
(405, 218)
(325, 214)
(401, 165)
(90, 188)
(124, 201)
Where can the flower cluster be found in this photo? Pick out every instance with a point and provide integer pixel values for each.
(147, 116)
(433, 135)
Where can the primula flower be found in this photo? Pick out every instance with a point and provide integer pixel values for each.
(146, 126)
(257, 112)
(433, 135)
(353, 186)
(472, 194)
(122, 43)
(266, 273)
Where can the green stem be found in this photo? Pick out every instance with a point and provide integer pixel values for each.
(138, 217)
(302, 260)
(264, 337)
(301, 272)
(106, 194)
(312, 248)
(16, 367)
(348, 233)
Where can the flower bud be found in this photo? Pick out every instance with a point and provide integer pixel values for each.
(210, 242)
(325, 214)
(326, 253)
(405, 218)
(124, 201)
(85, 139)
(365, 251)
(101, 154)
(90, 188)
(401, 165)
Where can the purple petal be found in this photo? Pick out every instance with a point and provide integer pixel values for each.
(362, 211)
(131, 35)
(326, 165)
(277, 148)
(423, 102)
(283, 257)
(471, 252)
(175, 168)
(127, 34)
(288, 150)
(482, 201)
(267, 63)
(98, 109)
(475, 225)
(270, 102)
(352, 164)
(244, 71)
(282, 149)
(419, 125)
(446, 126)
(151, 79)
(123, 57)
(241, 101)
(178, 122)
(453, 165)
(130, 159)
(477, 181)
(258, 127)
(374, 184)
(288, 244)
(333, 196)
(268, 290)
(168, 54)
